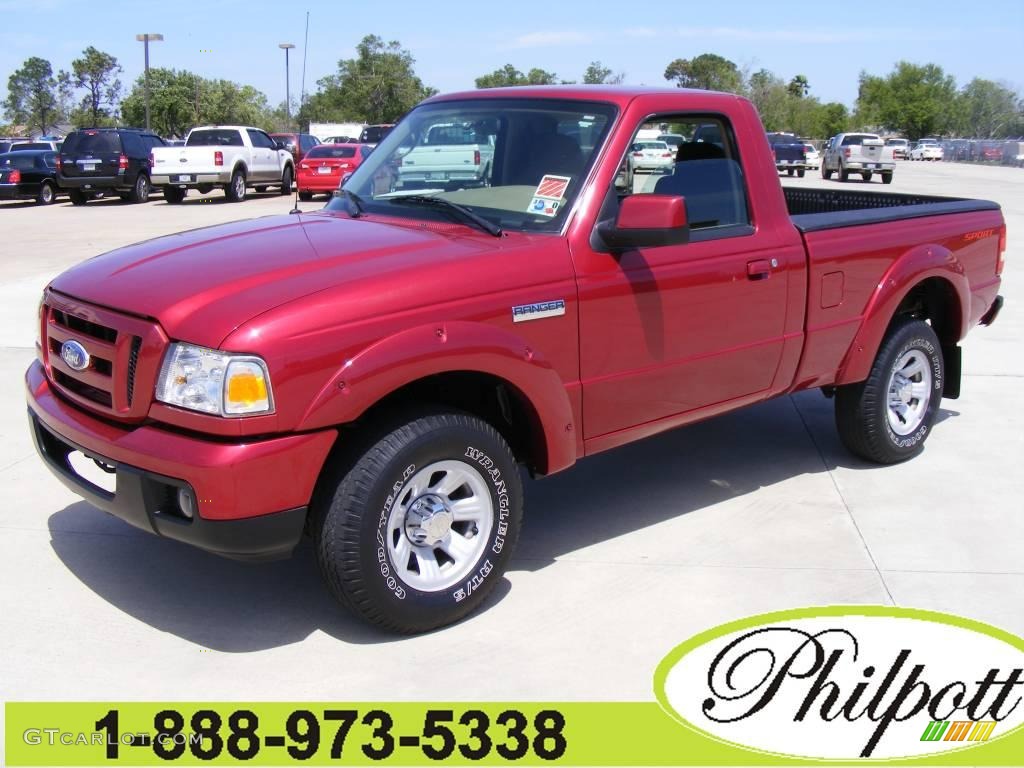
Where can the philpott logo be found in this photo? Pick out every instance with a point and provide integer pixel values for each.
(848, 682)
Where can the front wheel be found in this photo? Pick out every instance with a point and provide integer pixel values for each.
(286, 181)
(887, 417)
(418, 530)
(47, 194)
(235, 191)
(140, 192)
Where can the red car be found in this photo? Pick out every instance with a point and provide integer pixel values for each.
(377, 374)
(325, 166)
(296, 143)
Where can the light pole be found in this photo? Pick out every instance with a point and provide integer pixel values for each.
(144, 39)
(287, 83)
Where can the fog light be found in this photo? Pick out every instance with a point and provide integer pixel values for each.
(186, 503)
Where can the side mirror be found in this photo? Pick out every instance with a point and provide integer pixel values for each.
(647, 221)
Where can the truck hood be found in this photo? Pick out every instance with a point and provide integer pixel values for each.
(202, 284)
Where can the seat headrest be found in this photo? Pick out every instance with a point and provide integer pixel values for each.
(698, 150)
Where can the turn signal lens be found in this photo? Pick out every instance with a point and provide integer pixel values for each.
(245, 388)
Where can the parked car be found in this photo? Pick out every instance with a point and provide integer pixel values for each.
(231, 157)
(372, 134)
(448, 155)
(325, 167)
(672, 139)
(100, 160)
(900, 148)
(927, 149)
(296, 143)
(52, 146)
(29, 175)
(651, 156)
(812, 157)
(5, 144)
(992, 154)
(790, 154)
(863, 153)
(378, 373)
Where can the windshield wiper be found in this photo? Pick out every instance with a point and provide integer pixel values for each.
(356, 209)
(439, 202)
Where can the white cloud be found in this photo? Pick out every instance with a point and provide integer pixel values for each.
(550, 39)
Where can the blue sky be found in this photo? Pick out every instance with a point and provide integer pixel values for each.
(829, 42)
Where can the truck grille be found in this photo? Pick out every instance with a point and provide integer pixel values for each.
(124, 354)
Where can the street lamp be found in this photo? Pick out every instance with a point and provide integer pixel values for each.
(287, 83)
(145, 38)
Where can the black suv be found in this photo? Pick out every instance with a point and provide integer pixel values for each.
(98, 160)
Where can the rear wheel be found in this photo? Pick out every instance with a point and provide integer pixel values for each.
(844, 175)
(418, 530)
(204, 189)
(47, 194)
(140, 192)
(800, 173)
(78, 197)
(866, 175)
(887, 417)
(790, 171)
(174, 195)
(286, 181)
(235, 191)
(825, 172)
(887, 178)
(305, 196)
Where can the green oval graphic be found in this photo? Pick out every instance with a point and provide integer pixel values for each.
(932, 739)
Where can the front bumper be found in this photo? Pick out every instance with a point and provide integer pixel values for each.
(249, 499)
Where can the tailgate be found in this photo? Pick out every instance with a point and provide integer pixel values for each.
(189, 160)
(870, 151)
(91, 153)
(426, 158)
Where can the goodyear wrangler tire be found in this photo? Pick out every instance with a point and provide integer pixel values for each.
(887, 417)
(416, 532)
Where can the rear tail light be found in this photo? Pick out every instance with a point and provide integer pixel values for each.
(218, 158)
(15, 177)
(152, 160)
(303, 166)
(122, 162)
(476, 157)
(638, 154)
(667, 154)
(1001, 255)
(846, 152)
(59, 163)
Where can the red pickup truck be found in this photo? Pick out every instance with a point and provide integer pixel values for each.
(375, 374)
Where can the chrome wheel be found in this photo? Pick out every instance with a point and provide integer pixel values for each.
(439, 525)
(238, 186)
(909, 392)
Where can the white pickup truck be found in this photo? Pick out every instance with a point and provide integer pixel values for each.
(449, 153)
(863, 153)
(231, 157)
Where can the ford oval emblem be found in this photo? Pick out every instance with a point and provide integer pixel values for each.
(74, 354)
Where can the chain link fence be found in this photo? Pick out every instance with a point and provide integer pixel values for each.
(991, 151)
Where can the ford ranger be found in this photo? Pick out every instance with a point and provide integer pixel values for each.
(376, 373)
(231, 157)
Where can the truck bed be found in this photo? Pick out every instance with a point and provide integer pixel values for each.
(813, 210)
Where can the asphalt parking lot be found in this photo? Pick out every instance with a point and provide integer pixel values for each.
(622, 557)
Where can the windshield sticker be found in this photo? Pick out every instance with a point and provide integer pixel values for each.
(548, 196)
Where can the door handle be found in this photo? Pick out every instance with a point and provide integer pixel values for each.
(761, 269)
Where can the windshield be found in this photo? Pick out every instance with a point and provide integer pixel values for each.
(526, 164)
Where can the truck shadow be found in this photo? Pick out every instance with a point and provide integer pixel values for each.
(237, 607)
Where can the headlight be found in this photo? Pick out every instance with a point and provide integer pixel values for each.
(214, 382)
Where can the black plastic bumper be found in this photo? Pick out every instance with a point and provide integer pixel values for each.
(95, 183)
(990, 317)
(150, 501)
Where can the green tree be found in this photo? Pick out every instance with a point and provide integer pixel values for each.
(708, 71)
(598, 74)
(799, 86)
(96, 72)
(987, 109)
(510, 76)
(833, 118)
(913, 99)
(378, 86)
(769, 95)
(180, 100)
(32, 95)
